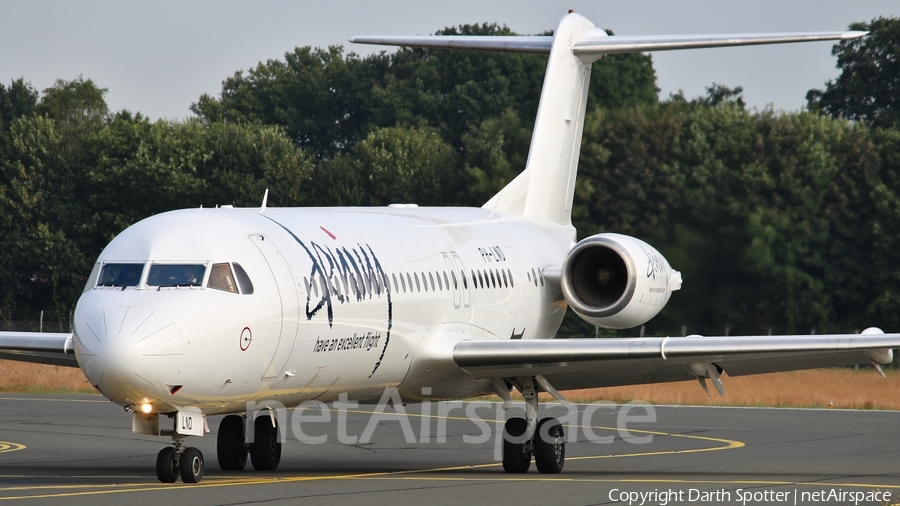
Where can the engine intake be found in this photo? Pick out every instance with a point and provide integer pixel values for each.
(605, 281)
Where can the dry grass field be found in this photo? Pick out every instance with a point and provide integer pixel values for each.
(839, 388)
(21, 377)
(818, 388)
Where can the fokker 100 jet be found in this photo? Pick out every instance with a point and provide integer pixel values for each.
(199, 312)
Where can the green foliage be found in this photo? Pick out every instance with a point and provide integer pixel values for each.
(778, 222)
(72, 177)
(391, 165)
(494, 153)
(16, 101)
(327, 102)
(318, 96)
(623, 81)
(786, 222)
(868, 88)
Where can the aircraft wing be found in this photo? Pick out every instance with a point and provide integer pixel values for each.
(38, 347)
(587, 363)
(596, 42)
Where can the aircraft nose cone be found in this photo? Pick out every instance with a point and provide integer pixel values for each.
(134, 346)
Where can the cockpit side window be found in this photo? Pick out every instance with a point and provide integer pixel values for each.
(221, 278)
(243, 279)
(121, 274)
(176, 275)
(92, 279)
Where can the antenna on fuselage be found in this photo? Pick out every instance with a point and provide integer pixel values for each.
(265, 199)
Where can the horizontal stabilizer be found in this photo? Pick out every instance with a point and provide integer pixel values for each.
(595, 42)
(504, 44)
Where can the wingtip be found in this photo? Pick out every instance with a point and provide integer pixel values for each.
(853, 35)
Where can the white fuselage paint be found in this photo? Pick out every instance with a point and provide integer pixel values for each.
(346, 301)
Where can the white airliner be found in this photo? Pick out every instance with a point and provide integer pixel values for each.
(197, 312)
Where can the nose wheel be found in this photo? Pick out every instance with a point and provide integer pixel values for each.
(177, 460)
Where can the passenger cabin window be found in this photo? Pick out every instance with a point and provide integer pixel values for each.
(121, 275)
(221, 278)
(165, 275)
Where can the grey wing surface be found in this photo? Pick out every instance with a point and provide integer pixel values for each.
(38, 347)
(596, 42)
(589, 362)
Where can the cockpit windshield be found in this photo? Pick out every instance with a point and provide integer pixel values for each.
(121, 275)
(176, 275)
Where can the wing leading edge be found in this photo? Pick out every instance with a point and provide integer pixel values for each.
(588, 363)
(41, 348)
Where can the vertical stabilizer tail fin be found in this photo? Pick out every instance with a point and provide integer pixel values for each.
(546, 187)
(544, 190)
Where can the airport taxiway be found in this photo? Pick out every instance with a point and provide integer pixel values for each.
(80, 450)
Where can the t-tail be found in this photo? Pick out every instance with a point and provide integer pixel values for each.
(545, 188)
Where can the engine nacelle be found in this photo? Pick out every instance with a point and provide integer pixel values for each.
(616, 281)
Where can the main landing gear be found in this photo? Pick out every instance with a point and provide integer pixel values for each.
(527, 437)
(232, 451)
(232, 448)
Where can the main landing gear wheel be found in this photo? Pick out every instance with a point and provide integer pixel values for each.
(549, 446)
(231, 450)
(191, 464)
(265, 452)
(167, 465)
(516, 452)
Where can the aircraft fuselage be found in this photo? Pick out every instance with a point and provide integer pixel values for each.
(343, 301)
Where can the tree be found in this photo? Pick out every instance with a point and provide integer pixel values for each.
(16, 101)
(319, 96)
(868, 88)
(622, 81)
(494, 153)
(390, 166)
(328, 101)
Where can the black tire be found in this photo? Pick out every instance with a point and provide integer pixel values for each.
(549, 446)
(231, 451)
(515, 458)
(167, 465)
(191, 464)
(265, 452)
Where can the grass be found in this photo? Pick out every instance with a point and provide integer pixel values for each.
(26, 378)
(819, 388)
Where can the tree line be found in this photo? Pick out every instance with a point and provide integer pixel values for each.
(782, 222)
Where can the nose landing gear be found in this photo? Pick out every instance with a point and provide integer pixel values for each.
(177, 460)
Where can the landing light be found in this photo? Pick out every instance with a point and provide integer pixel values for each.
(146, 407)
